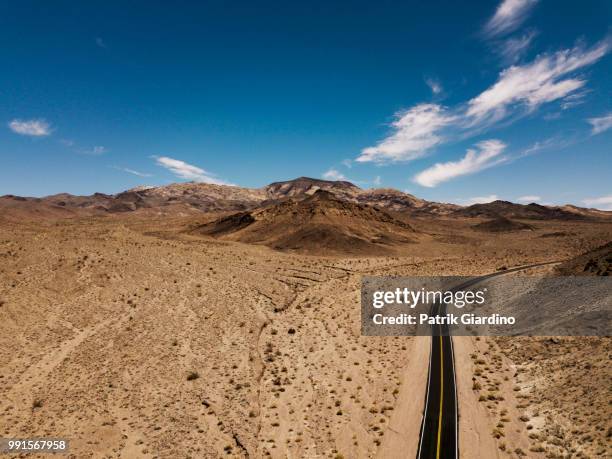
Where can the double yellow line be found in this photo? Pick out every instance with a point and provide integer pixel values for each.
(441, 396)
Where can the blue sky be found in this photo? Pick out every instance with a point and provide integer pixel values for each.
(449, 101)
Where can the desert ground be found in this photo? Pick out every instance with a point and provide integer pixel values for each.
(136, 335)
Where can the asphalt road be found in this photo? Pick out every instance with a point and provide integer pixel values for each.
(439, 428)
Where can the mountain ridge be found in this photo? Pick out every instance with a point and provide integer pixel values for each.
(204, 197)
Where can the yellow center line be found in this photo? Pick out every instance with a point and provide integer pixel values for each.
(441, 395)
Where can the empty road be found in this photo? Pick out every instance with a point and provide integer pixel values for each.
(439, 438)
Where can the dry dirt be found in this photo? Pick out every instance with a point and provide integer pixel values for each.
(134, 339)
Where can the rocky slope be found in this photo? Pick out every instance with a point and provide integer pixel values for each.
(502, 225)
(534, 211)
(320, 224)
(596, 262)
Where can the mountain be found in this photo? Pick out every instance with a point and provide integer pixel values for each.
(191, 197)
(388, 198)
(17, 208)
(203, 196)
(534, 211)
(588, 212)
(318, 224)
(308, 186)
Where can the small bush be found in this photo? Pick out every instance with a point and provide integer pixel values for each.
(193, 375)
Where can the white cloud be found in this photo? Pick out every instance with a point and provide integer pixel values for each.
(556, 142)
(333, 174)
(533, 84)
(486, 155)
(96, 150)
(434, 85)
(36, 128)
(603, 203)
(132, 171)
(547, 78)
(415, 132)
(508, 16)
(512, 49)
(377, 180)
(529, 198)
(187, 171)
(480, 199)
(574, 99)
(347, 163)
(601, 124)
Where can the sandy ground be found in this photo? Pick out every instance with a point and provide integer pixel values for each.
(132, 341)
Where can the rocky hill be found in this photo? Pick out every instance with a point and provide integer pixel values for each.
(535, 211)
(318, 224)
(596, 262)
(302, 186)
(502, 225)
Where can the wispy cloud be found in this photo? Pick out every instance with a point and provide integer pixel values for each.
(415, 132)
(333, 174)
(573, 100)
(132, 171)
(435, 85)
(377, 181)
(603, 202)
(600, 124)
(35, 128)
(188, 171)
(519, 90)
(533, 84)
(512, 49)
(479, 199)
(529, 198)
(540, 145)
(508, 16)
(95, 151)
(101, 43)
(487, 154)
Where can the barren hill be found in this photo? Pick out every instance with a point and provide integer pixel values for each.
(320, 223)
(307, 186)
(18, 208)
(596, 262)
(530, 211)
(501, 225)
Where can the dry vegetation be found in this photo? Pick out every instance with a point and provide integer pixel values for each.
(135, 339)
